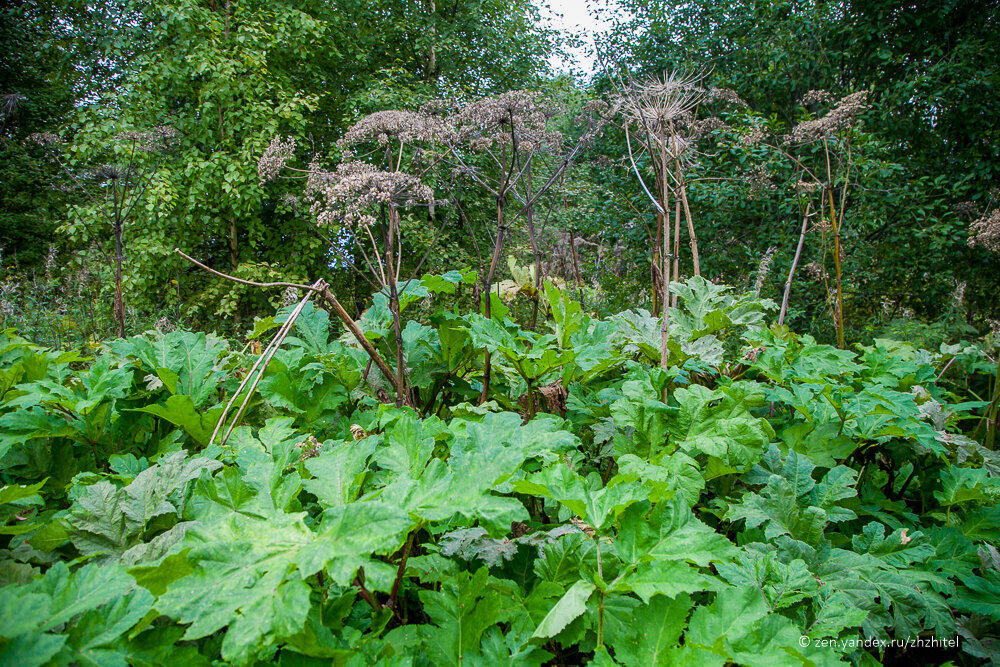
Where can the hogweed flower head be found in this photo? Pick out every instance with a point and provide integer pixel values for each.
(352, 192)
(727, 95)
(404, 126)
(815, 270)
(843, 116)
(753, 137)
(278, 153)
(816, 96)
(763, 269)
(760, 180)
(659, 104)
(985, 232)
(45, 139)
(516, 115)
(150, 141)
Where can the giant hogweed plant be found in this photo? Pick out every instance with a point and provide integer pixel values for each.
(784, 489)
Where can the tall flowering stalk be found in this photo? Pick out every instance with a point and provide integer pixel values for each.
(508, 131)
(364, 198)
(659, 113)
(832, 130)
(114, 187)
(496, 142)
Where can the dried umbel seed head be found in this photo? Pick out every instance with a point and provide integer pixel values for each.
(843, 116)
(436, 107)
(763, 269)
(966, 209)
(815, 270)
(753, 137)
(10, 103)
(352, 192)
(44, 139)
(760, 180)
(726, 95)
(985, 232)
(592, 111)
(112, 173)
(515, 106)
(703, 128)
(513, 116)
(806, 187)
(291, 201)
(404, 126)
(816, 97)
(278, 153)
(164, 325)
(157, 139)
(660, 104)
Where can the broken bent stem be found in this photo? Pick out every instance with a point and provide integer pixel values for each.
(795, 263)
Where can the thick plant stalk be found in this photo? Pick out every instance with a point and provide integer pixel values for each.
(393, 271)
(835, 225)
(991, 416)
(234, 248)
(359, 335)
(665, 280)
(836, 265)
(795, 263)
(692, 237)
(529, 218)
(119, 305)
(487, 284)
(655, 270)
(677, 244)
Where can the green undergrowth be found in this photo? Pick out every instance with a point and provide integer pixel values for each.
(785, 493)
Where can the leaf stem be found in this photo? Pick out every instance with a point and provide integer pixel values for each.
(365, 595)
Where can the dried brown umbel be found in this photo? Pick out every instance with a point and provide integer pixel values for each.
(966, 209)
(760, 180)
(806, 187)
(705, 127)
(592, 110)
(290, 201)
(985, 232)
(515, 116)
(661, 104)
(403, 126)
(274, 159)
(351, 193)
(815, 270)
(763, 269)
(816, 96)
(727, 95)
(159, 138)
(843, 116)
(44, 139)
(752, 137)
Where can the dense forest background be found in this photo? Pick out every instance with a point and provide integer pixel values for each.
(913, 177)
(359, 333)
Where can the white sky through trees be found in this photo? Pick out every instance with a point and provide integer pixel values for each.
(576, 18)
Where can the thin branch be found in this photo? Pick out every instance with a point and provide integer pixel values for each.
(240, 280)
(635, 168)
